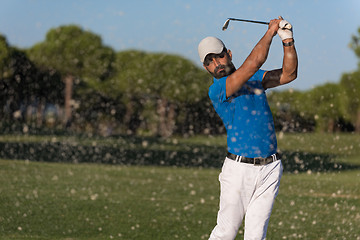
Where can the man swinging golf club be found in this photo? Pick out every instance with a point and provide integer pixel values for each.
(250, 176)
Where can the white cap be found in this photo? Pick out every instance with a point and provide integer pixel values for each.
(210, 45)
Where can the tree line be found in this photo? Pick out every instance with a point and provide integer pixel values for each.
(72, 81)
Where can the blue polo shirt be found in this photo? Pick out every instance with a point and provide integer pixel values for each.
(246, 116)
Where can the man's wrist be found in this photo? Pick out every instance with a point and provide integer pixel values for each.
(271, 33)
(288, 42)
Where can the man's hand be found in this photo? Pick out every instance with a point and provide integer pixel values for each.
(274, 26)
(285, 29)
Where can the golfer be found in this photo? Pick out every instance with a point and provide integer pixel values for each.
(250, 176)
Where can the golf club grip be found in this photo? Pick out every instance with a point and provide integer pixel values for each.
(252, 21)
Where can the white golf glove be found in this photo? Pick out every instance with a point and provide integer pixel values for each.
(285, 30)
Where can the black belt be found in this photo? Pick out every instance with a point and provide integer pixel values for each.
(255, 161)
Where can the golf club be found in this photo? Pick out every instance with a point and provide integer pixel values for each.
(226, 24)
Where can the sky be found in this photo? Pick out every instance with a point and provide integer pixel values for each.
(322, 29)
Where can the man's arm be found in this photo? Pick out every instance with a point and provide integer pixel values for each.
(288, 72)
(253, 62)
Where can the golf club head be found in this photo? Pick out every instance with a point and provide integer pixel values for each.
(226, 24)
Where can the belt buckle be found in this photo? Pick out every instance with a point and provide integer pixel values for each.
(258, 161)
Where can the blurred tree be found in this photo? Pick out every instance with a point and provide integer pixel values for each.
(5, 54)
(156, 82)
(9, 81)
(124, 85)
(351, 83)
(76, 54)
(16, 81)
(355, 44)
(325, 102)
(23, 86)
(291, 110)
(175, 81)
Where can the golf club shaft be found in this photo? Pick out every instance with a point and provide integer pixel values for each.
(246, 20)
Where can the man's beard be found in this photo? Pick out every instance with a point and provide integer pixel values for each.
(223, 70)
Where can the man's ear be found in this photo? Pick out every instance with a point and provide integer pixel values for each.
(230, 54)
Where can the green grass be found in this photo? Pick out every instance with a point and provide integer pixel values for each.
(90, 201)
(42, 200)
(67, 201)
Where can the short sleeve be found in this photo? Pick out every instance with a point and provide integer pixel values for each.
(217, 91)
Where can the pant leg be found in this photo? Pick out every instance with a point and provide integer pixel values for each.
(237, 182)
(261, 204)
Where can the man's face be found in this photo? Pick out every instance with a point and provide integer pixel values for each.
(219, 65)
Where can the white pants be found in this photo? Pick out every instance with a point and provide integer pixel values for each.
(246, 190)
